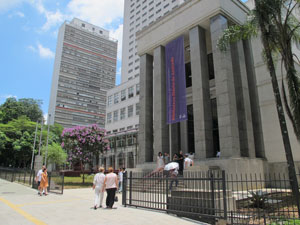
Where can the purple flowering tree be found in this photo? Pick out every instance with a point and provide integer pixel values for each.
(83, 144)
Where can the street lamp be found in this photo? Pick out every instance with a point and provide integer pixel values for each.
(36, 126)
(46, 154)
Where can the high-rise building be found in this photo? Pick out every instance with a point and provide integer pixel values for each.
(137, 15)
(84, 69)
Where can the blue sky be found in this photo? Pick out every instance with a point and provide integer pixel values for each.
(28, 40)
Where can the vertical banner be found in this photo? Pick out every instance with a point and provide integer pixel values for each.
(175, 72)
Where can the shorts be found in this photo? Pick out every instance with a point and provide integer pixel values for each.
(39, 182)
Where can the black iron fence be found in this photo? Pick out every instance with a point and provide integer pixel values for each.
(215, 196)
(27, 177)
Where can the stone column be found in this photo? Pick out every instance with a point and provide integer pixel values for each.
(146, 109)
(184, 143)
(161, 134)
(225, 92)
(175, 139)
(201, 95)
(243, 100)
(126, 159)
(108, 161)
(254, 101)
(117, 161)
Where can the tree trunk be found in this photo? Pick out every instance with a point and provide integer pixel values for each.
(82, 171)
(280, 112)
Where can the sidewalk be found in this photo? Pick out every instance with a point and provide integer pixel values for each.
(20, 205)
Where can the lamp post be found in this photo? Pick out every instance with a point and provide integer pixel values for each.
(41, 136)
(36, 126)
(46, 154)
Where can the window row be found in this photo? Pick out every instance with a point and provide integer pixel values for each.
(121, 96)
(121, 114)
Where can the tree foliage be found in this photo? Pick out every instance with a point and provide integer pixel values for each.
(56, 155)
(13, 109)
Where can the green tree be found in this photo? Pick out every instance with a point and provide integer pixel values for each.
(13, 109)
(278, 27)
(56, 155)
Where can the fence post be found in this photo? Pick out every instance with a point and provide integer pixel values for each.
(25, 177)
(124, 189)
(12, 175)
(63, 183)
(167, 193)
(49, 182)
(212, 184)
(130, 188)
(224, 194)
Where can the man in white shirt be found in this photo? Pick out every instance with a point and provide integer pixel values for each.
(120, 176)
(38, 178)
(97, 186)
(187, 161)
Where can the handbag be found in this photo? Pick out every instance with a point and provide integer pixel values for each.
(116, 198)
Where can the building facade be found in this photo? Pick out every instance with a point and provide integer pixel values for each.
(230, 103)
(137, 15)
(84, 69)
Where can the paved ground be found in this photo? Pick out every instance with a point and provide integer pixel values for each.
(20, 205)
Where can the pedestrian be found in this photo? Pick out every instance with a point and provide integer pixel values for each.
(38, 178)
(98, 187)
(44, 182)
(160, 162)
(111, 185)
(173, 175)
(187, 161)
(181, 162)
(120, 176)
(166, 158)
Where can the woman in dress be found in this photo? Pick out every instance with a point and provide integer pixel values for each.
(44, 182)
(160, 164)
(111, 185)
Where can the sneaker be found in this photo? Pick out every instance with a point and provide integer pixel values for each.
(100, 206)
(95, 207)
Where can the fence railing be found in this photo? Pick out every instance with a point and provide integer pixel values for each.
(27, 177)
(213, 196)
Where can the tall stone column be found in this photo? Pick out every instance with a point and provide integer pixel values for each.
(201, 95)
(254, 101)
(117, 161)
(175, 139)
(145, 135)
(108, 162)
(225, 92)
(184, 142)
(243, 100)
(161, 134)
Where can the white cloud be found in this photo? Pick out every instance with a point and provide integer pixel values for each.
(19, 14)
(52, 18)
(31, 48)
(98, 12)
(43, 52)
(118, 34)
(9, 4)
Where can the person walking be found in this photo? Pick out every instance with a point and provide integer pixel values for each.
(44, 182)
(181, 162)
(187, 161)
(120, 176)
(38, 178)
(97, 186)
(111, 185)
(166, 158)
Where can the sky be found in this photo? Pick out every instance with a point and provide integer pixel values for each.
(28, 41)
